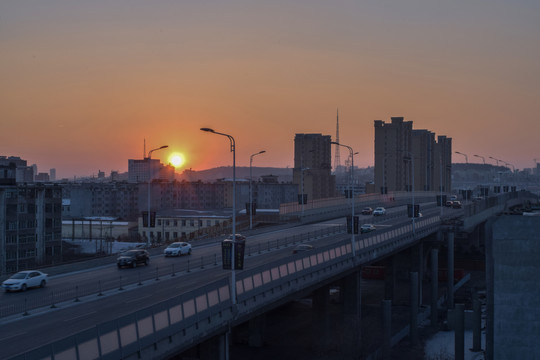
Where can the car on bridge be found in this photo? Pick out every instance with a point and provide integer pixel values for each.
(367, 211)
(448, 203)
(365, 228)
(456, 204)
(302, 247)
(238, 237)
(132, 258)
(379, 211)
(177, 249)
(24, 280)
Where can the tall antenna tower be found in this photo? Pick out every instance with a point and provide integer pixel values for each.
(337, 159)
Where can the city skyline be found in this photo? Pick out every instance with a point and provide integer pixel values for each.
(85, 85)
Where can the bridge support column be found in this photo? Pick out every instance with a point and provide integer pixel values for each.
(257, 326)
(450, 276)
(414, 308)
(215, 348)
(459, 340)
(477, 323)
(434, 286)
(417, 259)
(320, 322)
(352, 323)
(390, 277)
(386, 306)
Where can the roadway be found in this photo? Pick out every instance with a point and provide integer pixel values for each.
(129, 294)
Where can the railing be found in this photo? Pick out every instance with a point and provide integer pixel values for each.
(100, 286)
(181, 322)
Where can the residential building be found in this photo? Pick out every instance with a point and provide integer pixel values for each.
(140, 171)
(112, 199)
(181, 224)
(24, 173)
(313, 166)
(407, 159)
(30, 225)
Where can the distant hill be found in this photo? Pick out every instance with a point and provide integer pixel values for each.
(242, 172)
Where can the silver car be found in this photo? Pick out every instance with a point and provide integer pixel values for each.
(24, 280)
(177, 249)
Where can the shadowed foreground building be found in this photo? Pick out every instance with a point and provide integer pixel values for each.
(30, 223)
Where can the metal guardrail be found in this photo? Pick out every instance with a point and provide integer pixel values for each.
(100, 286)
(194, 316)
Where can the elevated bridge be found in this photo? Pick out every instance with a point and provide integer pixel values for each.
(203, 311)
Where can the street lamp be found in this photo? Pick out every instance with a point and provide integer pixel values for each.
(351, 154)
(233, 265)
(412, 170)
(250, 188)
(466, 158)
(497, 160)
(483, 158)
(149, 182)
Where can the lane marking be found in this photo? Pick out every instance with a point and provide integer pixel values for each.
(80, 316)
(14, 335)
(138, 299)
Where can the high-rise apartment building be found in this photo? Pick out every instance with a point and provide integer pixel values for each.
(30, 224)
(142, 170)
(24, 173)
(313, 166)
(407, 159)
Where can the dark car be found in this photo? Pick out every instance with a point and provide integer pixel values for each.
(456, 205)
(367, 211)
(132, 258)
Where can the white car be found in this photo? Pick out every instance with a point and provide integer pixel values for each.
(177, 249)
(24, 280)
(379, 211)
(365, 228)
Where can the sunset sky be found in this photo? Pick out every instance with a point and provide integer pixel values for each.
(84, 83)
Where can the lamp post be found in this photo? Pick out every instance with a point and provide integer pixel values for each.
(466, 158)
(149, 182)
(412, 170)
(250, 188)
(483, 158)
(351, 154)
(233, 265)
(497, 160)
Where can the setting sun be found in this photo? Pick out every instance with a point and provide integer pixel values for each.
(176, 159)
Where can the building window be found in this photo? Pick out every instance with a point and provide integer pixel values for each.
(208, 222)
(183, 222)
(159, 222)
(192, 223)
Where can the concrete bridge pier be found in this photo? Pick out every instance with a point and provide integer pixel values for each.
(417, 259)
(390, 277)
(414, 308)
(216, 348)
(450, 268)
(320, 321)
(434, 286)
(351, 341)
(386, 306)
